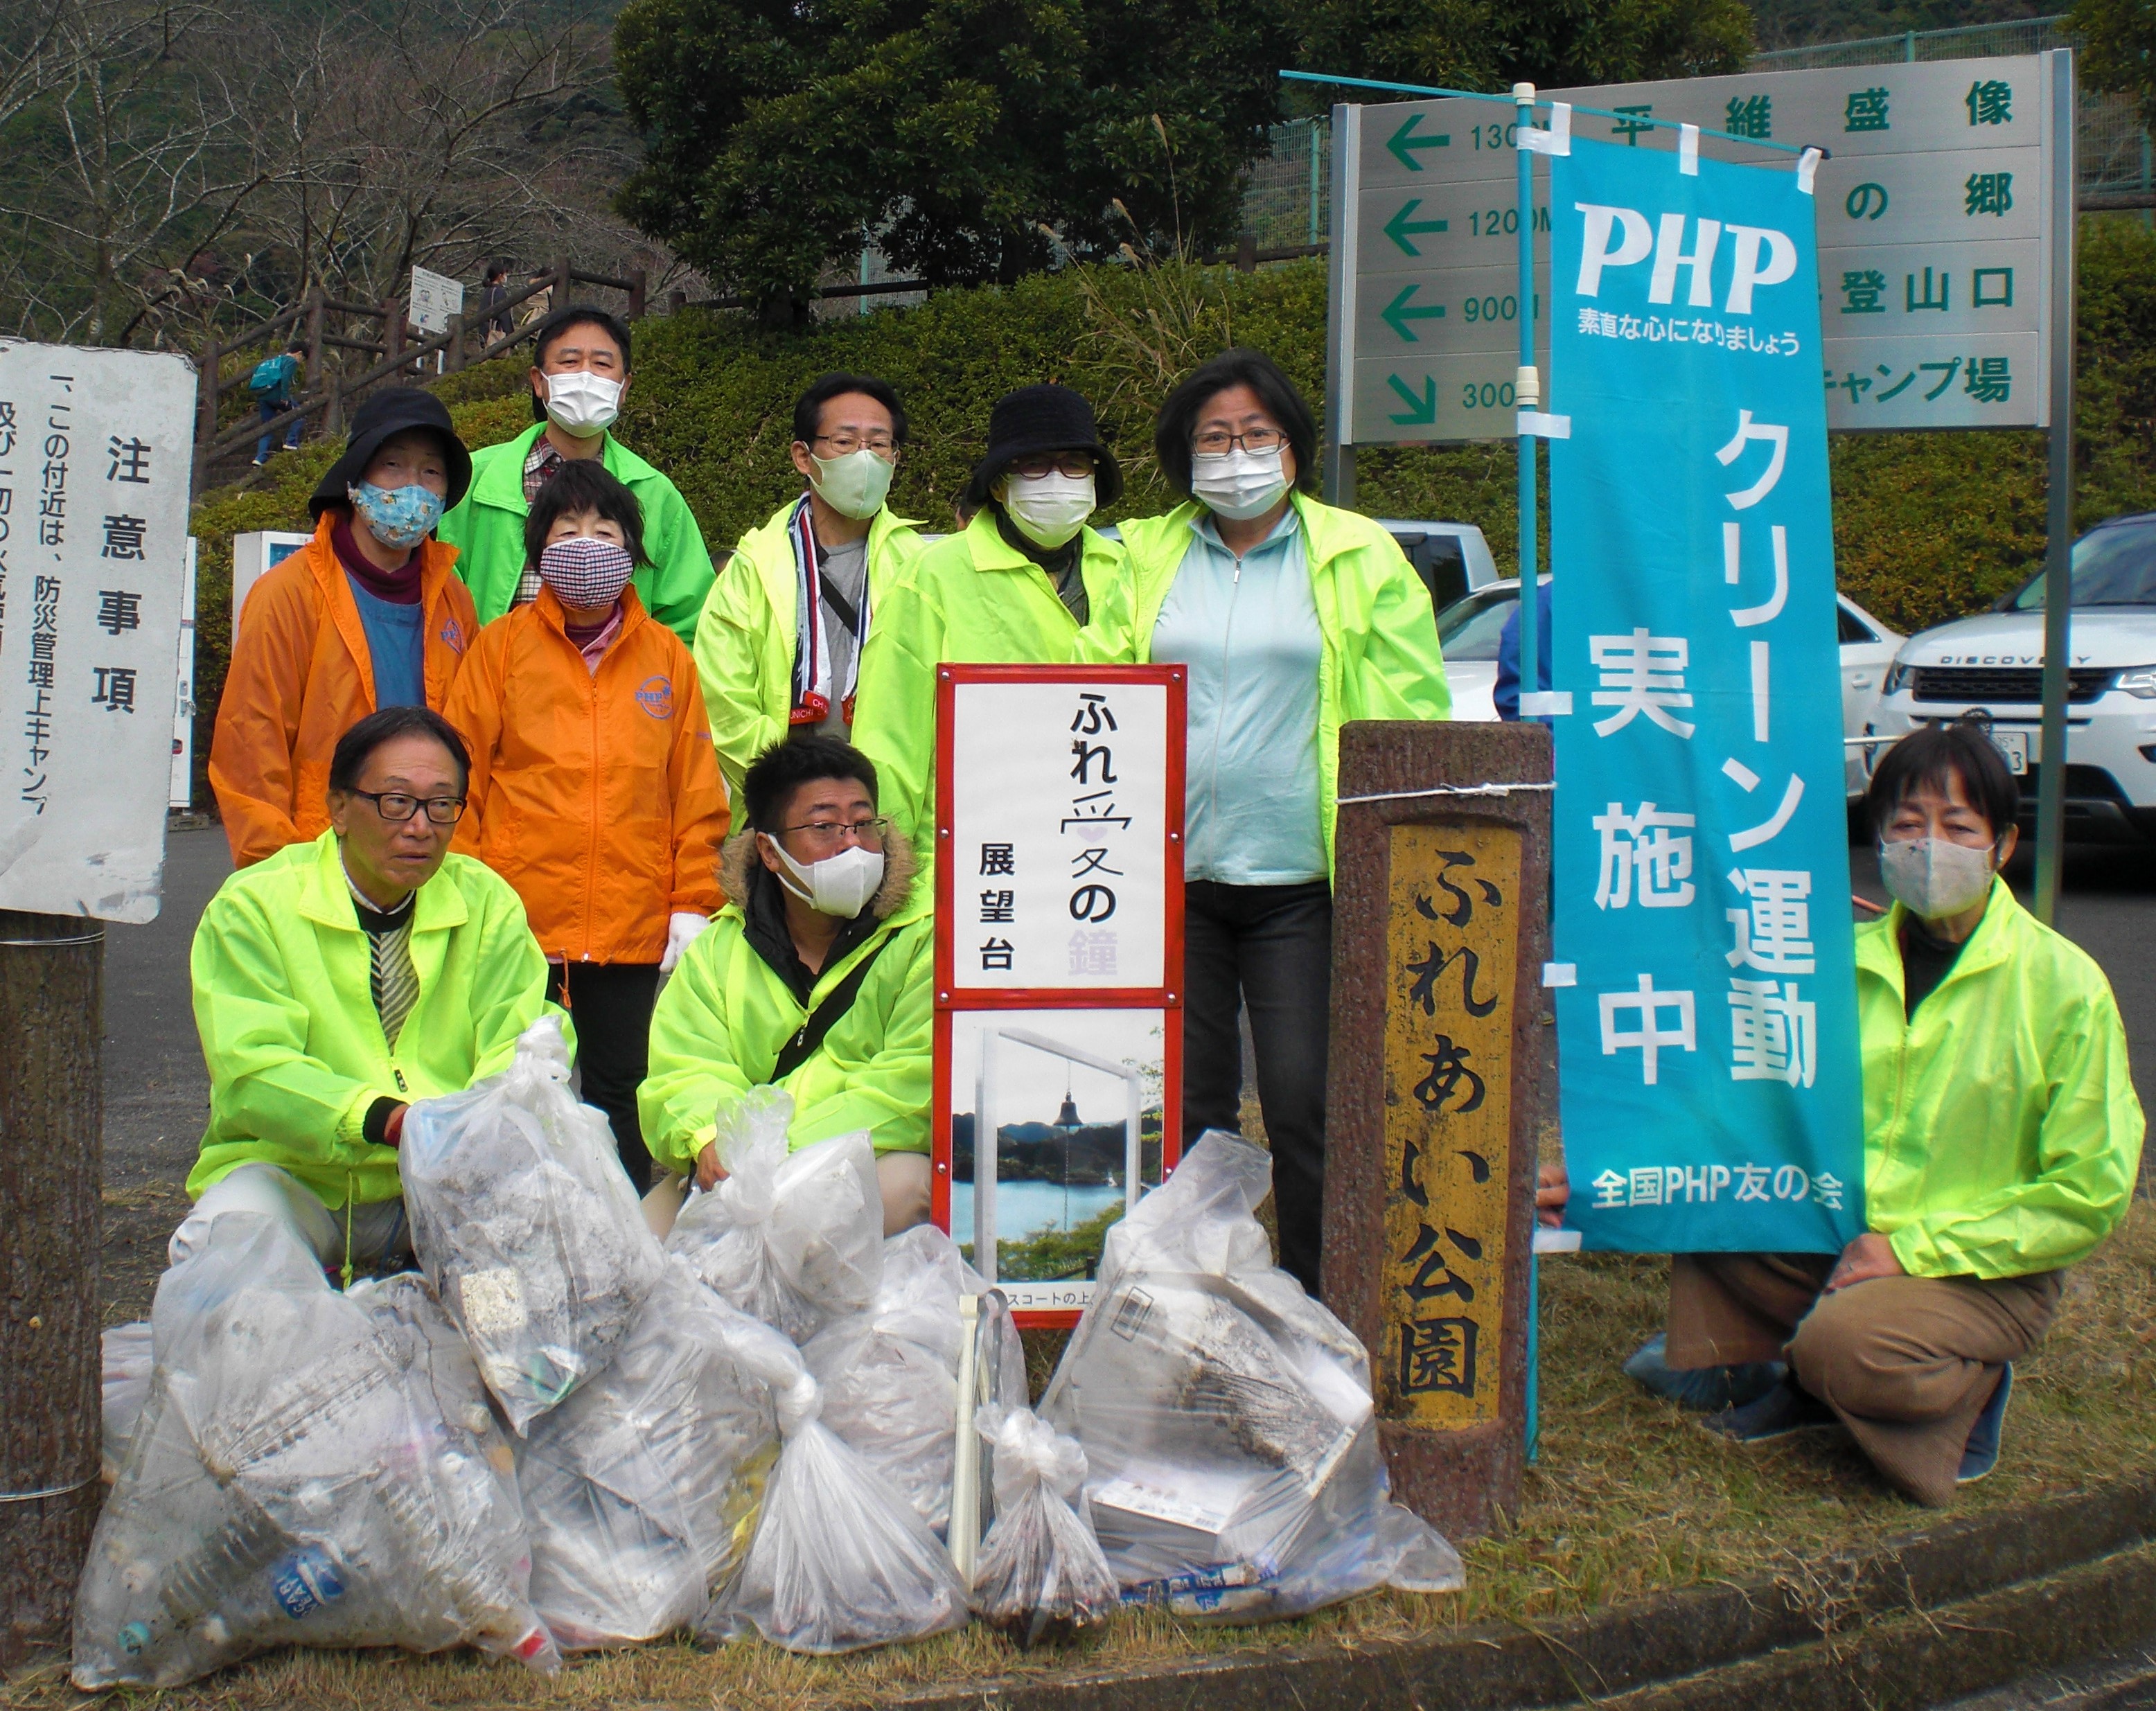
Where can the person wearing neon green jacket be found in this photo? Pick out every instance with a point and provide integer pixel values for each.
(814, 977)
(778, 646)
(579, 377)
(342, 978)
(1014, 587)
(1291, 616)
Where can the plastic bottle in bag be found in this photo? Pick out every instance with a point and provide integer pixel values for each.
(309, 1468)
(1235, 1469)
(528, 1227)
(792, 1239)
(1040, 1575)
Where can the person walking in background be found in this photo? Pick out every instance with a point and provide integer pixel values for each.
(275, 383)
(492, 293)
(1292, 617)
(1015, 586)
(778, 646)
(539, 304)
(593, 788)
(368, 615)
(580, 374)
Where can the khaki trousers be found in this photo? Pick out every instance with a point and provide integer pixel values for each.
(1906, 1363)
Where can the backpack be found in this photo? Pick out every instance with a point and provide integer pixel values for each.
(272, 374)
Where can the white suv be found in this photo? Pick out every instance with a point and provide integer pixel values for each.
(1993, 666)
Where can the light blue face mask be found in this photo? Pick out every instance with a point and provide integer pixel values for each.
(397, 516)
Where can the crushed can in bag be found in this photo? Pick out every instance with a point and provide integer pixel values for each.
(1041, 1577)
(527, 1225)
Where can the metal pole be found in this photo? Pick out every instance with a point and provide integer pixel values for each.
(1531, 680)
(2059, 525)
(1317, 183)
(1340, 308)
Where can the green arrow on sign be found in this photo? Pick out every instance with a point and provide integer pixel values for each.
(1400, 227)
(1404, 139)
(1396, 314)
(1422, 413)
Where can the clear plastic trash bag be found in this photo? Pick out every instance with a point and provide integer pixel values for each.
(126, 1351)
(838, 1561)
(528, 1227)
(890, 1375)
(642, 1489)
(310, 1469)
(1234, 1465)
(1040, 1575)
(792, 1239)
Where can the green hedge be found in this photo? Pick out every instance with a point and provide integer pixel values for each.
(1927, 526)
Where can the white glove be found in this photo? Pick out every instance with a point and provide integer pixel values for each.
(682, 931)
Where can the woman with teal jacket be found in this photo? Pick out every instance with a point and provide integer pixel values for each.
(1291, 616)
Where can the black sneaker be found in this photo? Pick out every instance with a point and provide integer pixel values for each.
(1705, 1389)
(1782, 1410)
(1980, 1454)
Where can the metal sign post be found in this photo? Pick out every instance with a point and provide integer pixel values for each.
(2059, 521)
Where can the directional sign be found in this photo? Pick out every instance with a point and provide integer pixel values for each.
(1934, 271)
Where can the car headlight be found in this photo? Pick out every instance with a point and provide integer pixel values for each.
(2138, 680)
(1897, 675)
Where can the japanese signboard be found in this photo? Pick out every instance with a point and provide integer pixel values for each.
(435, 297)
(1937, 286)
(95, 461)
(1705, 958)
(1058, 903)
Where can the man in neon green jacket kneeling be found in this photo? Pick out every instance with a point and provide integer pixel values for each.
(343, 979)
(814, 977)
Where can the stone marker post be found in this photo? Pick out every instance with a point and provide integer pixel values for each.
(1439, 930)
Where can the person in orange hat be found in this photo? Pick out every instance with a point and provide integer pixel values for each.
(594, 789)
(367, 615)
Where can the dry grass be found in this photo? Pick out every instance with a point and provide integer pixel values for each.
(1628, 1499)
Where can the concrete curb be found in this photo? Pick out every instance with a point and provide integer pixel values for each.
(1788, 1627)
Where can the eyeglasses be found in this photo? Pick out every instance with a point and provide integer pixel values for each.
(1258, 440)
(398, 808)
(830, 830)
(1077, 465)
(845, 444)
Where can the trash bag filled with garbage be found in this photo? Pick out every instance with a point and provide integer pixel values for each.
(127, 1362)
(793, 1239)
(528, 1227)
(838, 1561)
(311, 1468)
(1234, 1469)
(890, 1375)
(641, 1490)
(1040, 1577)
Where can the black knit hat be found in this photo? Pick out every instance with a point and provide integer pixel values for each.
(1042, 419)
(386, 413)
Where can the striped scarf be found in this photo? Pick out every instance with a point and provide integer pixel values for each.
(814, 691)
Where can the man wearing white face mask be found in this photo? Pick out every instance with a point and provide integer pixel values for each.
(814, 977)
(1014, 588)
(580, 379)
(778, 646)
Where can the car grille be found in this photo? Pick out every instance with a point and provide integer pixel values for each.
(1983, 685)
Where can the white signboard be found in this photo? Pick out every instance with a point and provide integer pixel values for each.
(1935, 277)
(254, 554)
(435, 297)
(183, 710)
(96, 451)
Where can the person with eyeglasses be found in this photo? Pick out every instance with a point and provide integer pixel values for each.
(778, 646)
(1014, 587)
(814, 978)
(593, 788)
(342, 978)
(1292, 617)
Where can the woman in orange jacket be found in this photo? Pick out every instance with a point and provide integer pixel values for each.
(367, 615)
(594, 790)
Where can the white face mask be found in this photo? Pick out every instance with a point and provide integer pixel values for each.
(1933, 879)
(582, 403)
(838, 885)
(853, 485)
(1237, 484)
(1048, 509)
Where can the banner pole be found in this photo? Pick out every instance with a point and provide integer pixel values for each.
(1339, 471)
(2059, 522)
(1523, 98)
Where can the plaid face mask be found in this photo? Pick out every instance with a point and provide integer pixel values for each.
(585, 570)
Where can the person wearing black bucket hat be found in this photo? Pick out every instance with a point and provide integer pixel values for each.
(1014, 587)
(368, 614)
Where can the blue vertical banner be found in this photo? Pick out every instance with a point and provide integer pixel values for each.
(1705, 976)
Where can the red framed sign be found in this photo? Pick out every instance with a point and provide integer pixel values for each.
(1058, 964)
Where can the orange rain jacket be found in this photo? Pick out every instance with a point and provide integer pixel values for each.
(596, 795)
(301, 675)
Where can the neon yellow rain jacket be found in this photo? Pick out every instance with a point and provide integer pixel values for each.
(971, 599)
(1381, 658)
(487, 528)
(726, 1014)
(2001, 1132)
(289, 1027)
(746, 639)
